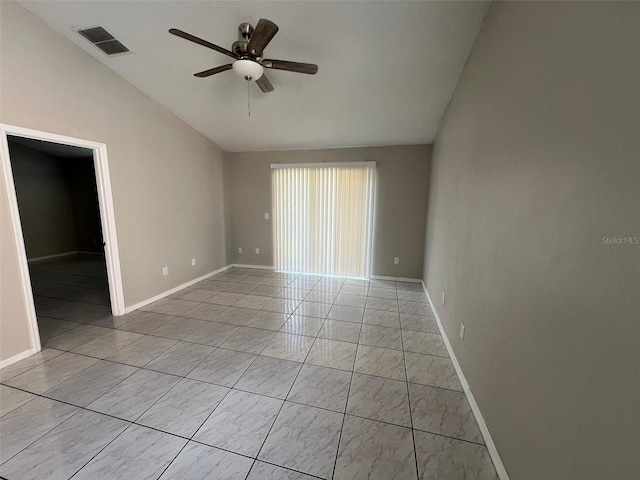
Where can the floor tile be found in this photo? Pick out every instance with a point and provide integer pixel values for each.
(415, 308)
(268, 320)
(176, 307)
(388, 284)
(50, 327)
(288, 347)
(152, 306)
(236, 316)
(332, 353)
(240, 423)
(321, 387)
(255, 302)
(425, 343)
(382, 362)
(205, 311)
(88, 385)
(269, 376)
(409, 287)
(215, 285)
(133, 396)
(302, 325)
(147, 323)
(282, 305)
(198, 295)
(76, 337)
(383, 293)
(179, 328)
(298, 294)
(380, 399)
(65, 449)
(142, 351)
(387, 304)
(249, 340)
(350, 300)
(241, 288)
(444, 412)
(381, 318)
(441, 457)
(28, 363)
(375, 450)
(313, 309)
(346, 314)
(107, 344)
(354, 290)
(184, 408)
(266, 471)
(181, 358)
(320, 296)
(212, 333)
(27, 423)
(267, 290)
(12, 398)
(377, 336)
(46, 376)
(139, 453)
(430, 370)
(419, 323)
(197, 462)
(305, 439)
(222, 367)
(227, 298)
(342, 331)
(409, 296)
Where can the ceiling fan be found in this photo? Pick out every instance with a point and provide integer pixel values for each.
(247, 53)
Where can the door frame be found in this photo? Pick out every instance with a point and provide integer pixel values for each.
(107, 219)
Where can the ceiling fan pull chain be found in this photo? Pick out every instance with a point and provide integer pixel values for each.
(249, 97)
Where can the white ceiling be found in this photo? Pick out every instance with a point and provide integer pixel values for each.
(386, 69)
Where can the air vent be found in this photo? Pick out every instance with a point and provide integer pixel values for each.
(103, 40)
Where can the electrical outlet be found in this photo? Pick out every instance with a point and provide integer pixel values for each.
(257, 251)
(193, 262)
(239, 249)
(165, 271)
(462, 331)
(266, 216)
(443, 297)
(396, 260)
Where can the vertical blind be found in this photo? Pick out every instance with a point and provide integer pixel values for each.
(323, 218)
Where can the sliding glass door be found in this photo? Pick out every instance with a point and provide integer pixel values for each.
(323, 217)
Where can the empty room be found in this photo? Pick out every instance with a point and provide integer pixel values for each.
(296, 240)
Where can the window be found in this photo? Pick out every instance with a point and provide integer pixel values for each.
(323, 217)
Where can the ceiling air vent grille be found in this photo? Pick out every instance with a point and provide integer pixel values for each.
(103, 40)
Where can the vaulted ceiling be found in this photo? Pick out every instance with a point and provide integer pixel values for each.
(386, 69)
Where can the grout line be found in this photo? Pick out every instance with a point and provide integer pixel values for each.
(329, 292)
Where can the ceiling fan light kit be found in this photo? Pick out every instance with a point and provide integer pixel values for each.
(248, 69)
(247, 52)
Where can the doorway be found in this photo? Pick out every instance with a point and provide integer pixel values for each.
(62, 215)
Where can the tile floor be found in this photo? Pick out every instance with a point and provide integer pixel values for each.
(250, 374)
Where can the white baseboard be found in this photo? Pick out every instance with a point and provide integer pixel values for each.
(16, 358)
(488, 440)
(396, 279)
(51, 257)
(258, 267)
(141, 304)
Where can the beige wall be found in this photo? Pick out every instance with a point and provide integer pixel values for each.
(402, 179)
(166, 178)
(44, 201)
(537, 159)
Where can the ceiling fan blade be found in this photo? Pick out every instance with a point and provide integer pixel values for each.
(264, 84)
(213, 71)
(199, 41)
(308, 68)
(262, 35)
